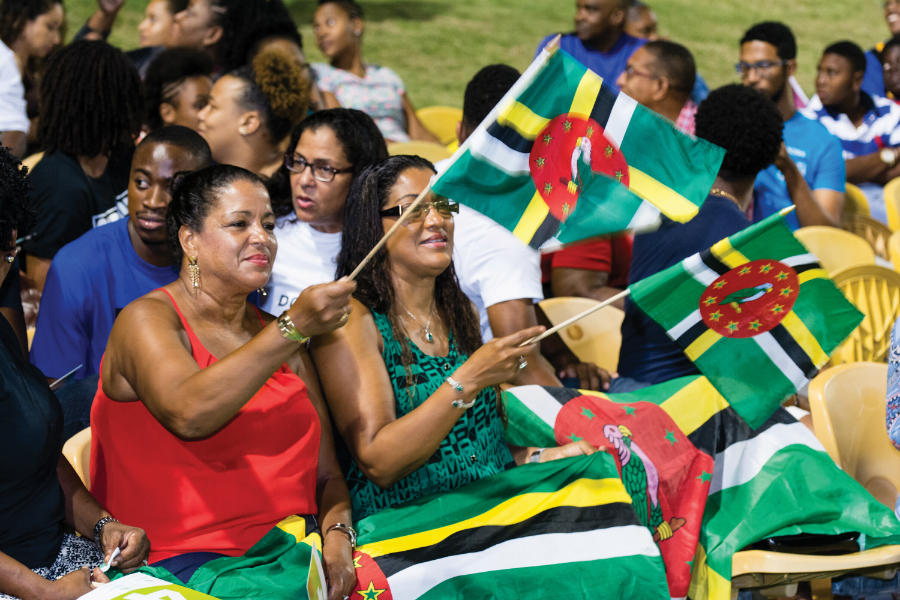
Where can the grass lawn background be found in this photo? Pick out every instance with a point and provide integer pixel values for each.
(437, 45)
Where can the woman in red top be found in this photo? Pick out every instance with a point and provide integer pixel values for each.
(208, 422)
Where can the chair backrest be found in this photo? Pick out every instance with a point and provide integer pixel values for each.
(855, 202)
(875, 291)
(77, 451)
(873, 231)
(892, 203)
(894, 250)
(430, 150)
(32, 159)
(848, 403)
(441, 121)
(835, 248)
(595, 338)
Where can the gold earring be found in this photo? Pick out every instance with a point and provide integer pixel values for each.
(194, 272)
(242, 130)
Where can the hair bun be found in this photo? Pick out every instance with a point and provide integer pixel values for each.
(283, 82)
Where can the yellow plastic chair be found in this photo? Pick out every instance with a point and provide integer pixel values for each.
(855, 202)
(595, 338)
(77, 451)
(894, 250)
(873, 231)
(441, 121)
(835, 248)
(875, 291)
(892, 203)
(430, 150)
(32, 159)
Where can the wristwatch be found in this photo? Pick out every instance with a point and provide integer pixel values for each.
(888, 156)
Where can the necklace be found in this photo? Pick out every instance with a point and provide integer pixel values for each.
(429, 337)
(724, 194)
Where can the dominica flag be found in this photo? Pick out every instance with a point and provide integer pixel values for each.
(562, 158)
(774, 480)
(755, 312)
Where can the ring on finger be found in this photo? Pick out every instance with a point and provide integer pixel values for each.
(522, 362)
(344, 317)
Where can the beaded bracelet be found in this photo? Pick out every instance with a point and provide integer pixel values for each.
(98, 528)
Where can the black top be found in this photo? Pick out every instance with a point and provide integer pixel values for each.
(31, 499)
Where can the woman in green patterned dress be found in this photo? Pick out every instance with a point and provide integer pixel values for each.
(414, 396)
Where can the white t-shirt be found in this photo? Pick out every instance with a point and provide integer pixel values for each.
(305, 257)
(12, 93)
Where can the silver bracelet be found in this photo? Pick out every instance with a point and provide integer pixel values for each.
(351, 533)
(535, 456)
(459, 402)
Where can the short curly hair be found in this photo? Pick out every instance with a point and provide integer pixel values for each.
(15, 210)
(746, 124)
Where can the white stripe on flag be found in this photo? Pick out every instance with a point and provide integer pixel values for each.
(489, 148)
(646, 218)
(685, 324)
(531, 551)
(743, 461)
(619, 118)
(781, 359)
(697, 269)
(799, 259)
(538, 401)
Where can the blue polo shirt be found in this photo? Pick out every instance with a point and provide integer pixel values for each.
(608, 65)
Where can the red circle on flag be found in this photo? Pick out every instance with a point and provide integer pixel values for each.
(371, 582)
(749, 299)
(567, 151)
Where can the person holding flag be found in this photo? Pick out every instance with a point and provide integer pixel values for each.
(648, 355)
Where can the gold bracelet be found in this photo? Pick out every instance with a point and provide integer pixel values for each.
(289, 331)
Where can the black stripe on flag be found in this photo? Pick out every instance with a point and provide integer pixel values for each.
(695, 331)
(713, 263)
(806, 267)
(510, 137)
(563, 394)
(726, 428)
(794, 350)
(562, 519)
(603, 106)
(547, 229)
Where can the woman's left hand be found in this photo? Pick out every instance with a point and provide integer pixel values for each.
(339, 571)
(131, 541)
(578, 448)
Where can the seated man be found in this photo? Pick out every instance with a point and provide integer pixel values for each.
(599, 41)
(595, 269)
(873, 82)
(660, 75)
(866, 125)
(809, 170)
(648, 355)
(890, 67)
(91, 279)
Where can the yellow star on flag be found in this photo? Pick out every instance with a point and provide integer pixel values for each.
(565, 208)
(781, 276)
(787, 291)
(540, 161)
(548, 138)
(567, 125)
(548, 187)
(778, 308)
(715, 316)
(709, 300)
(590, 131)
(744, 271)
(618, 175)
(765, 268)
(754, 325)
(719, 285)
(356, 564)
(608, 151)
(732, 326)
(370, 593)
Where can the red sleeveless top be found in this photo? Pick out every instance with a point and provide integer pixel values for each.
(219, 494)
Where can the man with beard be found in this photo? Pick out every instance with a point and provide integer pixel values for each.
(809, 169)
(94, 277)
(866, 125)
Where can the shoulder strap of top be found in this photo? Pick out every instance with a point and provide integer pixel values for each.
(201, 354)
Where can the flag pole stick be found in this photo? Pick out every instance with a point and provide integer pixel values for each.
(521, 83)
(577, 317)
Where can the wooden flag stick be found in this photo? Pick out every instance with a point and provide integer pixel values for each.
(577, 317)
(56, 382)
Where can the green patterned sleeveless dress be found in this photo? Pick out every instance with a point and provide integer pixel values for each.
(473, 449)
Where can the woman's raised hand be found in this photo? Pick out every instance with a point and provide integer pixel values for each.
(322, 308)
(497, 361)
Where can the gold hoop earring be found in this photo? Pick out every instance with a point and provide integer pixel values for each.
(194, 272)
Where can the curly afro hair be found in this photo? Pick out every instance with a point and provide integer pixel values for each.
(15, 210)
(746, 124)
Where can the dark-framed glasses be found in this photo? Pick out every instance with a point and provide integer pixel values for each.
(630, 71)
(444, 207)
(297, 164)
(761, 65)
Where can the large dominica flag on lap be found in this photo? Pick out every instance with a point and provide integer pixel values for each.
(562, 158)
(774, 480)
(755, 312)
(563, 529)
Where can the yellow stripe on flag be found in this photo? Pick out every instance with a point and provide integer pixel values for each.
(725, 252)
(294, 526)
(705, 582)
(811, 274)
(586, 94)
(580, 493)
(703, 343)
(805, 338)
(668, 201)
(694, 404)
(535, 213)
(523, 120)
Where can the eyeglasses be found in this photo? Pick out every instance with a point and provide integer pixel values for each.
(744, 68)
(631, 72)
(445, 208)
(297, 164)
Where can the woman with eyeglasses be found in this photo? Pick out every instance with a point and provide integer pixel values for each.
(410, 386)
(252, 109)
(326, 152)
